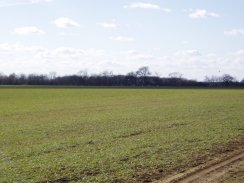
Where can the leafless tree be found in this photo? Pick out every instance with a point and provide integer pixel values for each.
(107, 73)
(52, 75)
(143, 71)
(226, 78)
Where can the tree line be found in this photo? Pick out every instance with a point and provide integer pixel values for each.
(140, 78)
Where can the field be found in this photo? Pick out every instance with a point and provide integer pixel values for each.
(112, 135)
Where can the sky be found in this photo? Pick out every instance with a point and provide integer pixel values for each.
(197, 38)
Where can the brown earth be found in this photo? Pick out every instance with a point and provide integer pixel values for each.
(227, 166)
(234, 176)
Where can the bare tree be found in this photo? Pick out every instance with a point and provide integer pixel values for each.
(52, 75)
(107, 73)
(226, 78)
(143, 71)
(107, 78)
(133, 74)
(212, 79)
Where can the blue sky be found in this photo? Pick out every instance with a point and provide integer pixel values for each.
(196, 38)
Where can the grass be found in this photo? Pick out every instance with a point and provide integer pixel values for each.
(111, 135)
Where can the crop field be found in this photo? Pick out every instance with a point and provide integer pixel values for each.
(112, 135)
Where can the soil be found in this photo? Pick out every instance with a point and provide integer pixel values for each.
(228, 167)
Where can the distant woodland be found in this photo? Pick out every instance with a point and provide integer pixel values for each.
(140, 78)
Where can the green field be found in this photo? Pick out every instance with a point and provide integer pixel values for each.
(111, 135)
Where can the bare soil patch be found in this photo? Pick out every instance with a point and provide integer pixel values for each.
(224, 164)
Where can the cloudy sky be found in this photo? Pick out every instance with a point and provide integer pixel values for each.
(195, 38)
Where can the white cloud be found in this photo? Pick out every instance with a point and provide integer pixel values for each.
(67, 34)
(167, 10)
(184, 42)
(137, 55)
(7, 48)
(201, 13)
(28, 30)
(33, 59)
(143, 6)
(234, 32)
(74, 52)
(240, 53)
(67, 60)
(64, 22)
(5, 3)
(122, 39)
(188, 53)
(108, 25)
